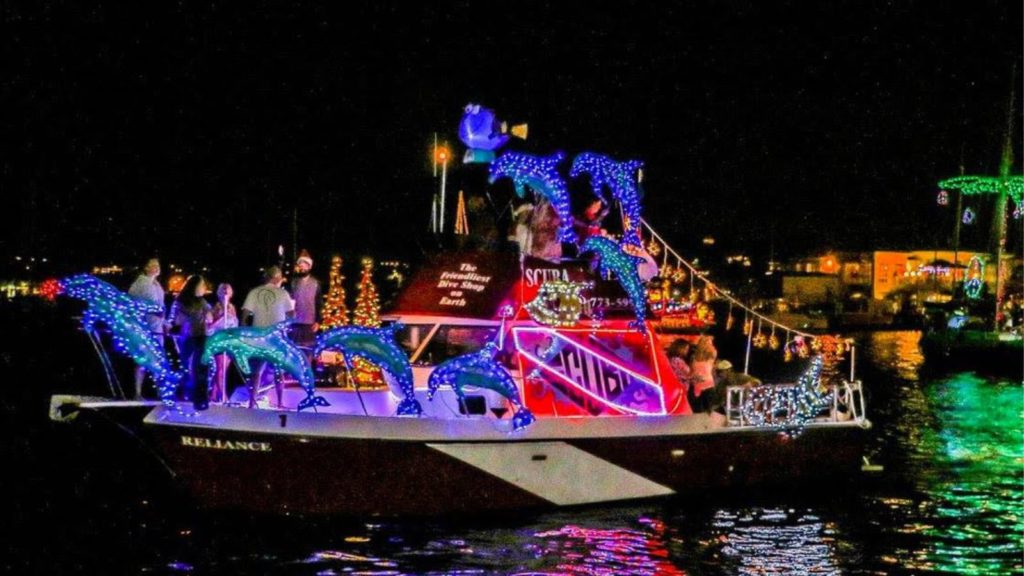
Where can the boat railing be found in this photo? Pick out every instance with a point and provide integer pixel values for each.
(845, 405)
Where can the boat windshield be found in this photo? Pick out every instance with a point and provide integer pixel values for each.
(431, 344)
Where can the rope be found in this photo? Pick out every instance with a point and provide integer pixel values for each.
(718, 291)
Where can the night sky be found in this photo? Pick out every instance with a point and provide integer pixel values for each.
(196, 130)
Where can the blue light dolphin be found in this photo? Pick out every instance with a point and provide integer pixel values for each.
(376, 346)
(271, 344)
(125, 317)
(480, 370)
(540, 174)
(613, 259)
(620, 178)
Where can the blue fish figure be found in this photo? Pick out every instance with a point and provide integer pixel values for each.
(541, 175)
(376, 346)
(613, 259)
(125, 317)
(271, 344)
(479, 129)
(620, 178)
(480, 370)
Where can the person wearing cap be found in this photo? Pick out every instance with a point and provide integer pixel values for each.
(306, 292)
(725, 378)
(147, 287)
(267, 305)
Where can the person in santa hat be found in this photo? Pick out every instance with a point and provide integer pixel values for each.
(306, 292)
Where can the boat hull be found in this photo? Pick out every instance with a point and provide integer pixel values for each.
(984, 352)
(470, 467)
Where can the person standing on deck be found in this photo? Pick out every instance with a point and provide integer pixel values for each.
(147, 287)
(191, 317)
(224, 316)
(267, 305)
(308, 298)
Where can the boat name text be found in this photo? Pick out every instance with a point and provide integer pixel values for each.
(218, 444)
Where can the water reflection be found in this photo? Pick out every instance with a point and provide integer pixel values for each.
(775, 541)
(896, 352)
(974, 487)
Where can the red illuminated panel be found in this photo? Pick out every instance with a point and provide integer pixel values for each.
(595, 372)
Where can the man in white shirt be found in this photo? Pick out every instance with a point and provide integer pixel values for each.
(147, 287)
(267, 305)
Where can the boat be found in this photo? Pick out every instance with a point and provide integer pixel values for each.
(512, 382)
(982, 330)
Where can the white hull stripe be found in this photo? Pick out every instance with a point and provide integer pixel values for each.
(555, 471)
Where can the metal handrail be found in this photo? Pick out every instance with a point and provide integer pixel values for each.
(849, 395)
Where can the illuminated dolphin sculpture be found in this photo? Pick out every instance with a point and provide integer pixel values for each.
(480, 129)
(480, 370)
(540, 174)
(620, 178)
(125, 317)
(788, 408)
(376, 346)
(271, 344)
(613, 259)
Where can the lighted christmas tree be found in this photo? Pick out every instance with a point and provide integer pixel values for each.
(367, 313)
(335, 312)
(367, 302)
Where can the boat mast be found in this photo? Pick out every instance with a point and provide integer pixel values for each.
(999, 222)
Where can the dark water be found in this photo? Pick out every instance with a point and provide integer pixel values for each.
(949, 502)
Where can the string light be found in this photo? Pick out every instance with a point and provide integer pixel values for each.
(270, 344)
(480, 370)
(968, 217)
(974, 281)
(612, 259)
(335, 312)
(541, 175)
(570, 303)
(50, 289)
(620, 178)
(125, 317)
(787, 408)
(367, 311)
(376, 346)
(977, 185)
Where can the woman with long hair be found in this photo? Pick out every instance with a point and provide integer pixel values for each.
(224, 316)
(191, 316)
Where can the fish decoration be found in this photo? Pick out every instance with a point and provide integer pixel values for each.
(125, 317)
(480, 370)
(788, 408)
(613, 259)
(271, 344)
(378, 347)
(621, 179)
(540, 174)
(480, 129)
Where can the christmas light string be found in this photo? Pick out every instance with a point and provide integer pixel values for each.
(718, 292)
(787, 408)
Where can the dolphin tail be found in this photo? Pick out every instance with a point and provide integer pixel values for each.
(522, 419)
(312, 401)
(409, 407)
